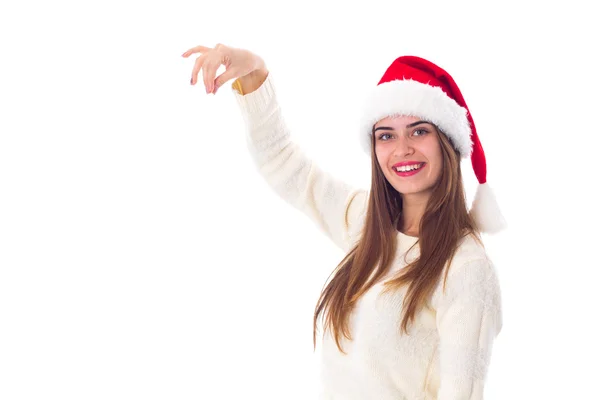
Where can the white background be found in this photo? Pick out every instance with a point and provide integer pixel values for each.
(142, 257)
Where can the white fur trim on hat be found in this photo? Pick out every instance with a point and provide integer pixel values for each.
(410, 97)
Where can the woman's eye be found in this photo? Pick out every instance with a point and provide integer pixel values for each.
(382, 135)
(422, 132)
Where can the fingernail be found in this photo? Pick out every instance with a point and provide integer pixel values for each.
(192, 81)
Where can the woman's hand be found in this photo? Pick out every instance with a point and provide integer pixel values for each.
(239, 63)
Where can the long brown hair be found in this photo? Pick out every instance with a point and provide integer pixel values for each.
(446, 220)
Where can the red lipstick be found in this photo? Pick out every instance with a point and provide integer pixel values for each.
(409, 173)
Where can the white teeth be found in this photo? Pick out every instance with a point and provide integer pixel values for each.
(406, 168)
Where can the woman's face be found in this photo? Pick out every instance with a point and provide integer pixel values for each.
(412, 145)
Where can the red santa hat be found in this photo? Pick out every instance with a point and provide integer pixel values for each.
(417, 87)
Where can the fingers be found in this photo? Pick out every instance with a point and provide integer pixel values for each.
(196, 49)
(209, 62)
(209, 70)
(197, 66)
(208, 73)
(224, 77)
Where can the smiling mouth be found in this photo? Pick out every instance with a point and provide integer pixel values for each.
(409, 170)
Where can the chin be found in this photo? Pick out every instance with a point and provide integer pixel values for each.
(414, 190)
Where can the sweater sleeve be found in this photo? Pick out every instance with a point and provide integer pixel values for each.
(468, 317)
(332, 204)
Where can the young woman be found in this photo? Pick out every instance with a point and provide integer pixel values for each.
(413, 309)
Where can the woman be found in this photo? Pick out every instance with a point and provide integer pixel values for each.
(413, 309)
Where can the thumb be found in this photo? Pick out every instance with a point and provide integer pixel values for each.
(224, 77)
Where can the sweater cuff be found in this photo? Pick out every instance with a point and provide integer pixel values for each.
(256, 102)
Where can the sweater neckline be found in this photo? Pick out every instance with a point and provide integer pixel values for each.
(405, 241)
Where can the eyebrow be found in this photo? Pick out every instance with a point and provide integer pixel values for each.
(387, 128)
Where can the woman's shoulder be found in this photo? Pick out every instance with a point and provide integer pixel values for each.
(470, 248)
(469, 271)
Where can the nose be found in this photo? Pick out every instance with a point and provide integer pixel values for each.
(403, 147)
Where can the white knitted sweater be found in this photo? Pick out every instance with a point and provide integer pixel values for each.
(448, 350)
